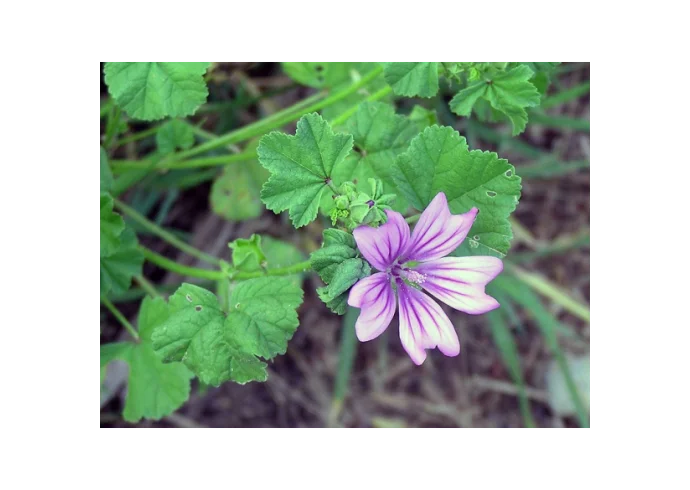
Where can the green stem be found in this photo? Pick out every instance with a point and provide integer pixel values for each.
(147, 286)
(522, 234)
(375, 96)
(164, 234)
(278, 119)
(111, 126)
(120, 166)
(120, 317)
(138, 136)
(413, 219)
(331, 185)
(172, 266)
(278, 271)
(216, 275)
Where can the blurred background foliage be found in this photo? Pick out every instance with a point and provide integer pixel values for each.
(523, 365)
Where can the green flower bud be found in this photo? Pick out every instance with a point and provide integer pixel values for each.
(385, 200)
(376, 188)
(349, 190)
(342, 202)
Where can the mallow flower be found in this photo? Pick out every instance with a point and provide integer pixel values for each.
(411, 266)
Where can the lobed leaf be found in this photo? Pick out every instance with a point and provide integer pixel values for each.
(439, 160)
(118, 268)
(381, 135)
(154, 90)
(236, 193)
(412, 79)
(217, 348)
(509, 92)
(174, 134)
(154, 389)
(301, 167)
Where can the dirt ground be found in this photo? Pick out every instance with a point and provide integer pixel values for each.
(386, 389)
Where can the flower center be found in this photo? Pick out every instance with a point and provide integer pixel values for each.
(409, 275)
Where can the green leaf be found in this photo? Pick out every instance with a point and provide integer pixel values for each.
(337, 247)
(280, 253)
(337, 305)
(412, 79)
(464, 101)
(196, 334)
(263, 314)
(258, 253)
(118, 268)
(174, 134)
(106, 174)
(247, 254)
(154, 90)
(509, 92)
(112, 226)
(152, 312)
(154, 389)
(345, 275)
(217, 348)
(542, 73)
(261, 251)
(301, 166)
(114, 351)
(381, 135)
(319, 74)
(236, 193)
(439, 160)
(338, 264)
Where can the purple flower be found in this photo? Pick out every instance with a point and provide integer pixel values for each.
(457, 281)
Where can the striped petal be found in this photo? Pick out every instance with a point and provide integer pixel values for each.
(424, 325)
(375, 297)
(382, 245)
(460, 281)
(438, 232)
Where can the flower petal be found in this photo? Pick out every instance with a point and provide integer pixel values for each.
(438, 232)
(460, 281)
(376, 298)
(424, 325)
(382, 245)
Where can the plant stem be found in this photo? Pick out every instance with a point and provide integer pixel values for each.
(375, 96)
(331, 185)
(413, 219)
(278, 119)
(120, 166)
(523, 235)
(216, 275)
(147, 286)
(183, 270)
(111, 126)
(120, 317)
(544, 286)
(138, 136)
(164, 234)
(278, 271)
